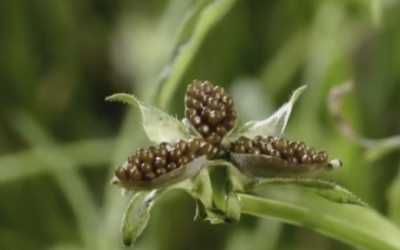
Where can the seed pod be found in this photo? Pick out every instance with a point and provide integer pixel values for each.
(268, 157)
(163, 165)
(210, 110)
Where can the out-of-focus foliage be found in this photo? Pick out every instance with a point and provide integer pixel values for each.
(59, 140)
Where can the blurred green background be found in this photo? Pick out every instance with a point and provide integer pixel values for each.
(60, 141)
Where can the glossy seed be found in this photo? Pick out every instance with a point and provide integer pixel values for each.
(190, 90)
(213, 138)
(221, 130)
(134, 175)
(306, 159)
(182, 145)
(324, 155)
(160, 162)
(204, 129)
(205, 149)
(171, 166)
(275, 153)
(160, 171)
(161, 152)
(214, 118)
(121, 173)
(195, 120)
(239, 149)
(146, 167)
(134, 160)
(194, 145)
(147, 156)
(190, 112)
(317, 158)
(175, 154)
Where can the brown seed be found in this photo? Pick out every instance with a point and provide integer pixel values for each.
(213, 138)
(221, 130)
(147, 156)
(324, 155)
(159, 162)
(280, 144)
(121, 173)
(190, 112)
(179, 162)
(171, 166)
(232, 114)
(160, 171)
(214, 118)
(175, 154)
(192, 103)
(218, 90)
(228, 124)
(203, 129)
(165, 145)
(310, 151)
(301, 151)
(206, 87)
(194, 145)
(199, 94)
(195, 120)
(239, 149)
(317, 158)
(139, 152)
(275, 153)
(306, 159)
(182, 145)
(287, 152)
(205, 149)
(190, 90)
(266, 148)
(205, 112)
(134, 160)
(197, 83)
(161, 152)
(246, 142)
(135, 175)
(146, 167)
(227, 101)
(212, 103)
(214, 152)
(293, 145)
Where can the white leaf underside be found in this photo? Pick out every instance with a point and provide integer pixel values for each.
(273, 125)
(158, 125)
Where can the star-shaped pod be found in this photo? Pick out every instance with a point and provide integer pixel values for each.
(186, 153)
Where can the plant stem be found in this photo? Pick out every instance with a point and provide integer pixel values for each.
(359, 227)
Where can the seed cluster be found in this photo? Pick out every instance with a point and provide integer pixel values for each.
(210, 110)
(156, 161)
(295, 152)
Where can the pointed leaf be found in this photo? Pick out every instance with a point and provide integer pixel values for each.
(137, 215)
(158, 125)
(329, 190)
(273, 125)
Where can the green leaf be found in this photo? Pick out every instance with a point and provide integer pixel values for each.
(158, 125)
(273, 125)
(137, 215)
(328, 190)
(361, 227)
(194, 29)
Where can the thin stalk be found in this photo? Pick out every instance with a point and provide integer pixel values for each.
(359, 227)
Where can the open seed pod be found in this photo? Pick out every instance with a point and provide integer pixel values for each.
(210, 110)
(268, 157)
(163, 165)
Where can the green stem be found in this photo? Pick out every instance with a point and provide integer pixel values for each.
(359, 227)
